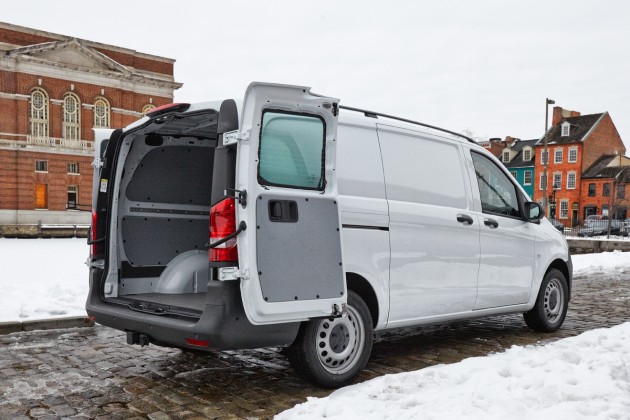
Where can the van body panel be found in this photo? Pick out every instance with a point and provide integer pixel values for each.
(506, 270)
(507, 249)
(364, 208)
(434, 257)
(286, 160)
(551, 246)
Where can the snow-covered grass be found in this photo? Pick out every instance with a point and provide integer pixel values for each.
(583, 377)
(42, 278)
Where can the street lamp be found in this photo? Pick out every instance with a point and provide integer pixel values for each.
(546, 151)
(552, 205)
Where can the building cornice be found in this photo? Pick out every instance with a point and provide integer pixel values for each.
(142, 85)
(92, 44)
(127, 112)
(4, 95)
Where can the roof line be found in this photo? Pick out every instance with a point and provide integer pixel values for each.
(588, 133)
(372, 114)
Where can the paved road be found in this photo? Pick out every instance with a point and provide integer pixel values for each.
(93, 373)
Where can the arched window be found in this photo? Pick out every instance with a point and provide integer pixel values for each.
(101, 113)
(147, 108)
(71, 129)
(39, 113)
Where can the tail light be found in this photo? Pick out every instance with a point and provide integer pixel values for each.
(222, 224)
(93, 233)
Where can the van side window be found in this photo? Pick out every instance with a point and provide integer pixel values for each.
(498, 194)
(291, 152)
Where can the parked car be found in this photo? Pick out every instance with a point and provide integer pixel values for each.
(325, 224)
(599, 227)
(625, 228)
(558, 225)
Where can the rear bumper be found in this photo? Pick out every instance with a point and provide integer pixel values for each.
(223, 323)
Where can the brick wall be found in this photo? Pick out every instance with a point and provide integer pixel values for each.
(19, 192)
(14, 117)
(8, 179)
(604, 139)
(599, 200)
(564, 168)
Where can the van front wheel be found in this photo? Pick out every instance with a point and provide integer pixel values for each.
(331, 352)
(552, 303)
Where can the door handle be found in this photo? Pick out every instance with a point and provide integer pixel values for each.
(283, 211)
(465, 219)
(491, 223)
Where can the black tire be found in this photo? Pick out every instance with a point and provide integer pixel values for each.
(552, 303)
(331, 352)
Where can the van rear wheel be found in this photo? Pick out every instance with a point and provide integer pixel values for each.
(552, 303)
(331, 352)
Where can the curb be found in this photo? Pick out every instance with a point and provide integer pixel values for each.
(45, 324)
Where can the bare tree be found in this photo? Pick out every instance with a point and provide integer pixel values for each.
(469, 133)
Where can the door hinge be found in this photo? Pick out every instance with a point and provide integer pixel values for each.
(240, 195)
(96, 264)
(97, 163)
(232, 137)
(340, 310)
(233, 273)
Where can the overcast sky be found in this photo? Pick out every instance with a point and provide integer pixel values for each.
(484, 65)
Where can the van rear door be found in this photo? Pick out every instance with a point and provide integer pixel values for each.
(290, 258)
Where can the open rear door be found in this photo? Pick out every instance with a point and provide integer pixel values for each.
(290, 258)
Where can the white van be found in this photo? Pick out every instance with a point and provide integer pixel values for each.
(292, 221)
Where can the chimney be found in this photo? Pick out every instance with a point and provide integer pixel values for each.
(510, 141)
(559, 114)
(494, 146)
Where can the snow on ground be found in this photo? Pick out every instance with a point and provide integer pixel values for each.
(47, 278)
(614, 262)
(42, 278)
(583, 377)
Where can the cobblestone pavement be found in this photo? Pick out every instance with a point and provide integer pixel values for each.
(93, 373)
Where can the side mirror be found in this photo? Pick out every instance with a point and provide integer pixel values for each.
(533, 212)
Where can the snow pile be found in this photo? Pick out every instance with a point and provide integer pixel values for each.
(583, 377)
(42, 278)
(614, 262)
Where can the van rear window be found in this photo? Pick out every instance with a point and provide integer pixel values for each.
(291, 152)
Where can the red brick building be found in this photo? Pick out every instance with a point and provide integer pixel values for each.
(54, 89)
(574, 143)
(604, 187)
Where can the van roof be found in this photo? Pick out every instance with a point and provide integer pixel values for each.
(353, 116)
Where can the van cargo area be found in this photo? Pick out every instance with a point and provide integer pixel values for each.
(162, 202)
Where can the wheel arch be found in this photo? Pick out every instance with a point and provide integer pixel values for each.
(562, 266)
(364, 289)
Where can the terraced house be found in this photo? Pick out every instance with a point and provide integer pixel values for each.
(575, 142)
(54, 89)
(519, 157)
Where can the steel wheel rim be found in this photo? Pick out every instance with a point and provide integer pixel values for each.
(554, 301)
(340, 342)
